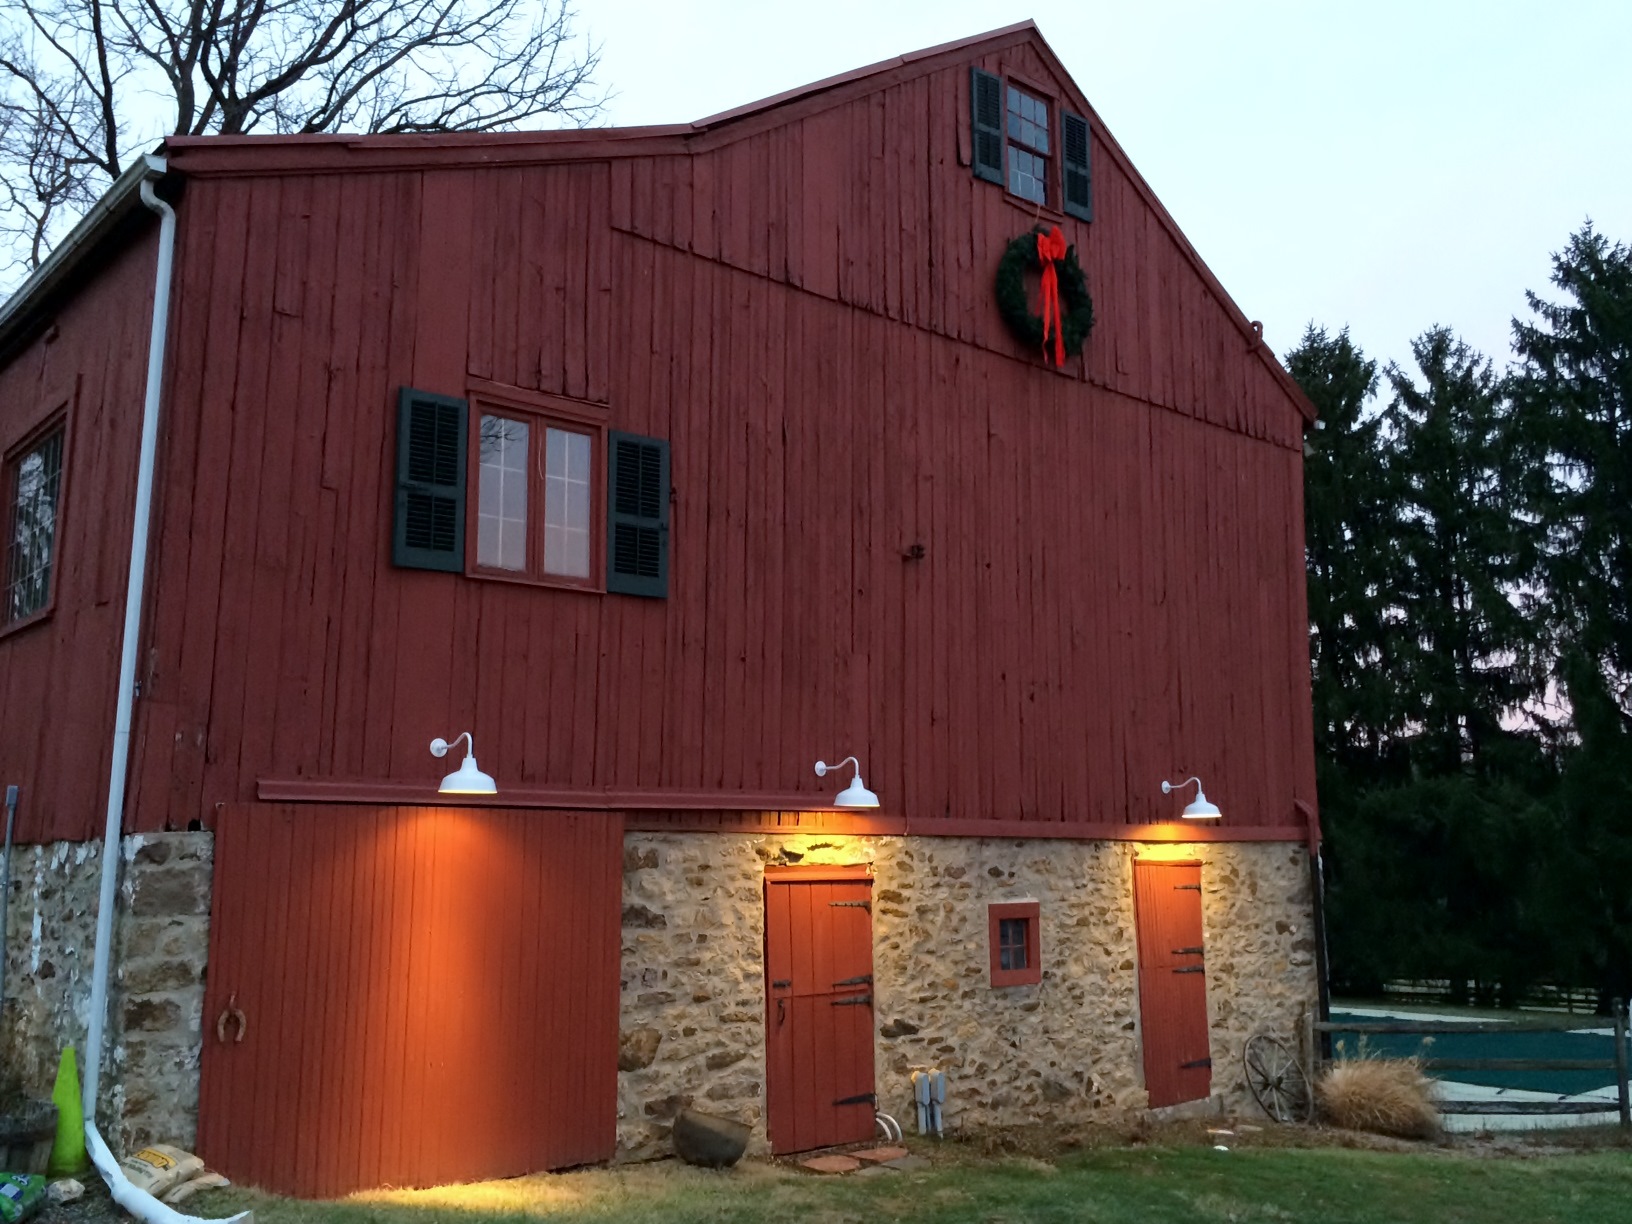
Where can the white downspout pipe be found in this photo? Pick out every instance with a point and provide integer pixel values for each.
(135, 590)
(132, 1198)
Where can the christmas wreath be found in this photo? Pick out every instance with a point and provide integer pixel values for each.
(1068, 311)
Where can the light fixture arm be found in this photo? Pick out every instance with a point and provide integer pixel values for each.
(1169, 787)
(822, 766)
(440, 746)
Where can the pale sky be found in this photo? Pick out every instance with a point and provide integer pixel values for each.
(1383, 165)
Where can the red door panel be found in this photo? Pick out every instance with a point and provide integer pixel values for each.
(818, 1011)
(410, 996)
(1172, 981)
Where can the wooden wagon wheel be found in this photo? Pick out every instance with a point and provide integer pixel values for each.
(1277, 1080)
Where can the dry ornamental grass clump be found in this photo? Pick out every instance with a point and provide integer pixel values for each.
(1386, 1096)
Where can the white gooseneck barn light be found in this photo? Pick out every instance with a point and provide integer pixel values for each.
(855, 795)
(467, 779)
(1200, 809)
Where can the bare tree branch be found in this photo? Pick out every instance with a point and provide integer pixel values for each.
(83, 80)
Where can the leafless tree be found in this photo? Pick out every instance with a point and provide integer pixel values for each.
(84, 83)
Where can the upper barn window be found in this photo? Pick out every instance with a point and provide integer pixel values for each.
(559, 499)
(34, 474)
(1013, 145)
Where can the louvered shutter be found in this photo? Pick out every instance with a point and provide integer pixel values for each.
(428, 528)
(1079, 196)
(637, 545)
(986, 103)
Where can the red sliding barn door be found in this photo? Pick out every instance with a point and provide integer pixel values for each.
(410, 996)
(819, 1008)
(1172, 981)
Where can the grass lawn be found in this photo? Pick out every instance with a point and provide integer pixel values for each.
(1147, 1185)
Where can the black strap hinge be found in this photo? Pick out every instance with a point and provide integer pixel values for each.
(866, 979)
(1190, 969)
(866, 905)
(854, 1001)
(1200, 1062)
(862, 1098)
(1188, 951)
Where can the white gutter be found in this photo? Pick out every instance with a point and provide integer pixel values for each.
(132, 1198)
(152, 169)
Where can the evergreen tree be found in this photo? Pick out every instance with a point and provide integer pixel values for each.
(1347, 539)
(1573, 396)
(1573, 400)
(1466, 650)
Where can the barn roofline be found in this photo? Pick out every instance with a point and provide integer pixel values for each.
(209, 156)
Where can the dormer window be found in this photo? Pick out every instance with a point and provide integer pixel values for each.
(1013, 144)
(1028, 146)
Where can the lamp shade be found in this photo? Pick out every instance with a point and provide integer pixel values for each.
(856, 795)
(1199, 808)
(467, 779)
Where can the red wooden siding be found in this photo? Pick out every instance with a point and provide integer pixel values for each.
(1172, 981)
(429, 995)
(1021, 596)
(57, 676)
(819, 1036)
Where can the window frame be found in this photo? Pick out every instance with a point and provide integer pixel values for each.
(59, 416)
(1031, 913)
(1053, 174)
(540, 410)
(1058, 104)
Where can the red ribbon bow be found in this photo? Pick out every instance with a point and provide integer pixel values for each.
(1050, 248)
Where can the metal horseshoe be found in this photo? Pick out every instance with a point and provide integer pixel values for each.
(231, 1012)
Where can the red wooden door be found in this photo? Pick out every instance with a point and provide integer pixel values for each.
(1172, 981)
(819, 1008)
(410, 996)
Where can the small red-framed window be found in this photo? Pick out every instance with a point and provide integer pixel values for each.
(536, 513)
(33, 491)
(1015, 941)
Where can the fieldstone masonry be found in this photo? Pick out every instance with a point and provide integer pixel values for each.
(154, 1025)
(1065, 1049)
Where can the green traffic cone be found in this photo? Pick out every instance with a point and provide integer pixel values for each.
(68, 1157)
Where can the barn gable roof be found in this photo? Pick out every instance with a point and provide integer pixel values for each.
(209, 156)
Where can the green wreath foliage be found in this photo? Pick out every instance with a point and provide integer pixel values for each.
(1076, 306)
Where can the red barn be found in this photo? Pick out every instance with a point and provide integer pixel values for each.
(665, 461)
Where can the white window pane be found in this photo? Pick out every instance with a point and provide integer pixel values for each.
(555, 502)
(513, 554)
(487, 540)
(513, 505)
(578, 457)
(577, 514)
(577, 554)
(555, 452)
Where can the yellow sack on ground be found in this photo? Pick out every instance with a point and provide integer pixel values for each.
(68, 1158)
(155, 1169)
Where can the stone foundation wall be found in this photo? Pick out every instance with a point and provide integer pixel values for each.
(1065, 1049)
(149, 1085)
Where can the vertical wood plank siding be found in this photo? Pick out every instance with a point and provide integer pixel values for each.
(428, 995)
(1110, 582)
(58, 675)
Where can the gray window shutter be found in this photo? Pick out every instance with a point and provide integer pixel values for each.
(428, 528)
(986, 103)
(1078, 193)
(637, 542)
